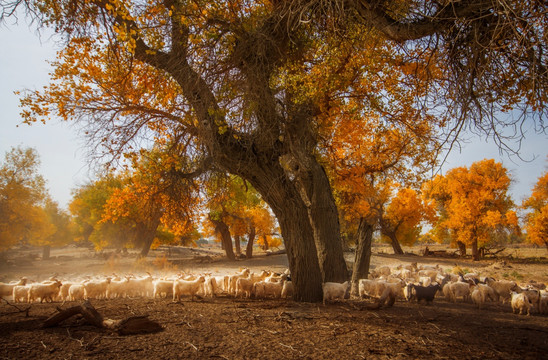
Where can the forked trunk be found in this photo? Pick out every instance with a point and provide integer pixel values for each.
(362, 257)
(284, 199)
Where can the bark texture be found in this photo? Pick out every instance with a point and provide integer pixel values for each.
(222, 228)
(362, 257)
(250, 241)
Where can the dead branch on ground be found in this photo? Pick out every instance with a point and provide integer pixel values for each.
(129, 326)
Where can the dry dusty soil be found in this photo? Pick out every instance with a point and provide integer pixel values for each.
(228, 328)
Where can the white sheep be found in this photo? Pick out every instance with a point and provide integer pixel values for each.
(534, 297)
(44, 291)
(274, 289)
(7, 289)
(265, 289)
(96, 289)
(63, 291)
(76, 292)
(162, 288)
(140, 286)
(381, 271)
(117, 288)
(478, 297)
(232, 279)
(521, 302)
(20, 293)
(503, 288)
(367, 287)
(430, 273)
(488, 292)
(244, 287)
(287, 290)
(333, 291)
(458, 289)
(425, 280)
(215, 285)
(187, 287)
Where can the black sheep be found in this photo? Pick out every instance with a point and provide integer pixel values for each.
(425, 292)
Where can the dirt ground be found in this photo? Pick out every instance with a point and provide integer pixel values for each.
(227, 328)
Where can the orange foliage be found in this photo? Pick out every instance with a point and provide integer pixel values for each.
(404, 215)
(537, 218)
(473, 202)
(151, 196)
(238, 205)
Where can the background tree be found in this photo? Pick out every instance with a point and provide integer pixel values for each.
(537, 217)
(152, 194)
(63, 230)
(473, 202)
(235, 208)
(87, 208)
(229, 78)
(401, 220)
(365, 156)
(22, 197)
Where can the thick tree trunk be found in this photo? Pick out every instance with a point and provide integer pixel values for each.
(301, 252)
(362, 256)
(395, 244)
(250, 240)
(284, 199)
(265, 243)
(475, 252)
(462, 248)
(237, 244)
(226, 238)
(46, 250)
(146, 234)
(324, 218)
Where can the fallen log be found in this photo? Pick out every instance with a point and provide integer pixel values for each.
(134, 325)
(130, 326)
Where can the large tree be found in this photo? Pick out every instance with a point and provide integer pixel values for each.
(537, 216)
(401, 220)
(22, 198)
(232, 79)
(473, 203)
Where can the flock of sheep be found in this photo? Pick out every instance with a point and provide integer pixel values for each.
(410, 282)
(428, 282)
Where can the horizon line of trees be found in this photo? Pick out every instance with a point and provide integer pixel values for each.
(467, 208)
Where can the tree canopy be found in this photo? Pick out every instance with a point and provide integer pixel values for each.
(27, 214)
(537, 217)
(22, 196)
(473, 203)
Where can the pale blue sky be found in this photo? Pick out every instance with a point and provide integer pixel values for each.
(23, 66)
